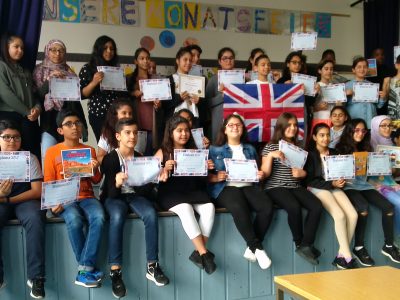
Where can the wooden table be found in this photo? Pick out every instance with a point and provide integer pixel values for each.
(380, 283)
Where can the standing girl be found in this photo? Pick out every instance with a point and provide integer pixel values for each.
(393, 87)
(333, 199)
(339, 118)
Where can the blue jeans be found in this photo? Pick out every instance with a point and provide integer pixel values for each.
(118, 210)
(75, 216)
(394, 198)
(33, 221)
(47, 141)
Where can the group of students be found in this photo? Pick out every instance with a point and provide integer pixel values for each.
(116, 118)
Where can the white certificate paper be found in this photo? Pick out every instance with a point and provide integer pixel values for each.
(295, 157)
(231, 76)
(308, 81)
(304, 41)
(196, 70)
(378, 164)
(365, 92)
(114, 78)
(143, 170)
(339, 167)
(333, 93)
(15, 165)
(153, 89)
(62, 192)
(394, 153)
(65, 89)
(241, 170)
(194, 85)
(396, 52)
(190, 162)
(198, 136)
(141, 142)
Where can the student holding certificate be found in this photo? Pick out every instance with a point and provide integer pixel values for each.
(355, 138)
(241, 199)
(362, 110)
(184, 195)
(339, 118)
(214, 95)
(22, 199)
(263, 68)
(54, 65)
(283, 186)
(188, 115)
(331, 195)
(87, 210)
(104, 54)
(119, 199)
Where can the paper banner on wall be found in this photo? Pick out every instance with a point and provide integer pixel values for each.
(226, 18)
(323, 24)
(50, 10)
(147, 42)
(130, 12)
(90, 11)
(261, 20)
(70, 11)
(244, 19)
(167, 39)
(191, 16)
(155, 13)
(111, 12)
(173, 14)
(209, 17)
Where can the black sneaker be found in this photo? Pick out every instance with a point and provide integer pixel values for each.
(307, 253)
(363, 257)
(208, 262)
(340, 263)
(155, 274)
(316, 252)
(392, 253)
(196, 259)
(37, 288)
(118, 286)
(352, 264)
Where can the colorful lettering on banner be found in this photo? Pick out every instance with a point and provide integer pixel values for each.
(111, 12)
(191, 16)
(244, 19)
(209, 19)
(155, 13)
(308, 22)
(226, 18)
(277, 18)
(69, 11)
(173, 14)
(295, 22)
(90, 11)
(50, 10)
(323, 25)
(261, 24)
(129, 12)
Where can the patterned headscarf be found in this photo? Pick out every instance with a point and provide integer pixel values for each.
(376, 137)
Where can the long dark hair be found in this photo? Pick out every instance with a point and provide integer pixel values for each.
(222, 139)
(280, 127)
(252, 55)
(97, 59)
(131, 80)
(167, 145)
(108, 131)
(286, 72)
(6, 40)
(312, 145)
(181, 52)
(347, 145)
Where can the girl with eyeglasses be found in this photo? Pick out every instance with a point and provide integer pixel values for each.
(339, 118)
(241, 199)
(356, 139)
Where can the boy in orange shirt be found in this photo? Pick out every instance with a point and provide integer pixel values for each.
(87, 209)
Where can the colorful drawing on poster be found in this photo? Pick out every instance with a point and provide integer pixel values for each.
(155, 13)
(50, 10)
(111, 12)
(244, 19)
(130, 12)
(90, 11)
(173, 14)
(147, 42)
(167, 39)
(70, 11)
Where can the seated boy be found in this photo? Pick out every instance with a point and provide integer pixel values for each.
(86, 209)
(119, 198)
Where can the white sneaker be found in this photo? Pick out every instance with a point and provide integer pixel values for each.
(249, 255)
(262, 258)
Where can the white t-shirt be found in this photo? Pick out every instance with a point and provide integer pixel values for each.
(237, 153)
(103, 144)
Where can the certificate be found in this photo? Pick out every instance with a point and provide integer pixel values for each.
(295, 157)
(339, 167)
(372, 68)
(304, 41)
(307, 81)
(394, 153)
(365, 92)
(379, 164)
(15, 165)
(141, 142)
(196, 70)
(65, 89)
(194, 85)
(62, 192)
(77, 163)
(153, 89)
(231, 76)
(241, 170)
(252, 75)
(333, 93)
(190, 162)
(396, 52)
(198, 136)
(114, 78)
(143, 170)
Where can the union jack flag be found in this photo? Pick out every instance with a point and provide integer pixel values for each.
(261, 105)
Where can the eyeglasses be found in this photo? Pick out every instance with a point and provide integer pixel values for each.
(71, 124)
(386, 126)
(225, 58)
(296, 62)
(233, 125)
(359, 130)
(54, 51)
(8, 138)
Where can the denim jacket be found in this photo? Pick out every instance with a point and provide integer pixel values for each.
(217, 154)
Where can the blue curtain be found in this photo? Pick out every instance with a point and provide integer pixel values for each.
(381, 27)
(24, 18)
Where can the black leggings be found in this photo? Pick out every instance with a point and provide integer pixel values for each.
(360, 200)
(293, 200)
(97, 124)
(240, 202)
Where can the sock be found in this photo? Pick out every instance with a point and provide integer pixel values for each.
(348, 259)
(358, 248)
